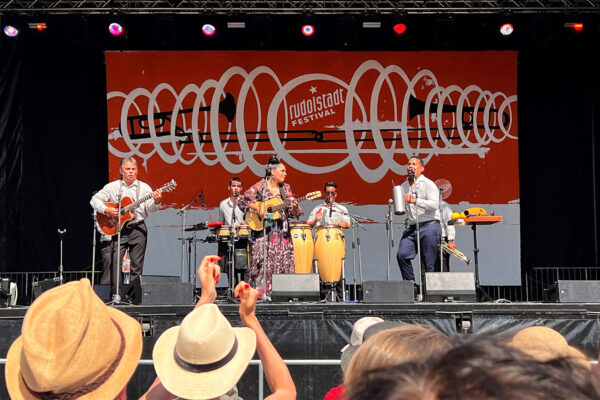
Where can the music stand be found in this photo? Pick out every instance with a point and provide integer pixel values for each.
(474, 221)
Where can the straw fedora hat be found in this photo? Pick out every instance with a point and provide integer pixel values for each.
(71, 343)
(204, 357)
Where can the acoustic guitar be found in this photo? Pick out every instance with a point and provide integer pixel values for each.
(108, 225)
(274, 207)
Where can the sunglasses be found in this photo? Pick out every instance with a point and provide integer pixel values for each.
(331, 192)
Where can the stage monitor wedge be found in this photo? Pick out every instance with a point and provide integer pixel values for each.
(295, 287)
(388, 291)
(450, 286)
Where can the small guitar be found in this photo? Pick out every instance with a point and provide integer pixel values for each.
(274, 207)
(108, 225)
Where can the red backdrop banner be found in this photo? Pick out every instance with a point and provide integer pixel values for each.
(201, 117)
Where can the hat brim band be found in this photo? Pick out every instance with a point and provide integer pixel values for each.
(90, 387)
(207, 367)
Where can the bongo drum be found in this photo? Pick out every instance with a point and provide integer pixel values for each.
(303, 247)
(242, 231)
(224, 233)
(330, 250)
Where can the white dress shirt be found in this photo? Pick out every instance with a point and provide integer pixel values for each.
(110, 192)
(226, 211)
(428, 200)
(447, 230)
(339, 213)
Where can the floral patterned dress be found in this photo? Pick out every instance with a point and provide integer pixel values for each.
(279, 247)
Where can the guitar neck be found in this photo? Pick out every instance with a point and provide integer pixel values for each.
(286, 204)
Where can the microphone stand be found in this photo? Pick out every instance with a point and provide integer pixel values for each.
(264, 266)
(117, 296)
(422, 286)
(355, 223)
(94, 247)
(61, 234)
(389, 226)
(444, 225)
(183, 238)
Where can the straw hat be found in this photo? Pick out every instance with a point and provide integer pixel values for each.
(71, 342)
(356, 339)
(204, 357)
(544, 344)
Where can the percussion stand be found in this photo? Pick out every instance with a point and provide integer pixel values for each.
(231, 263)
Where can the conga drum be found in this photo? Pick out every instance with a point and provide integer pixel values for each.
(303, 247)
(330, 250)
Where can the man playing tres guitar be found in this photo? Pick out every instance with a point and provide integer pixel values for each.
(134, 232)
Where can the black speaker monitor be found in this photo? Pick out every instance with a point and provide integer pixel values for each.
(388, 291)
(288, 287)
(450, 286)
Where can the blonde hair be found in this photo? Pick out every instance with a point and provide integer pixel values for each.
(405, 343)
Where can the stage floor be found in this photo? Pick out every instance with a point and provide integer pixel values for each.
(317, 331)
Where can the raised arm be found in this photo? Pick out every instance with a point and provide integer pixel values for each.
(277, 373)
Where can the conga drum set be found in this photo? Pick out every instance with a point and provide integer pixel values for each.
(327, 249)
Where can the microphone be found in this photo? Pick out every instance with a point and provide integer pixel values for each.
(330, 211)
(202, 198)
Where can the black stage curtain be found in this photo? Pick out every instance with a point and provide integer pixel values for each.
(54, 153)
(55, 123)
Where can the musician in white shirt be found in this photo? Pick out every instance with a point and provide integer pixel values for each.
(330, 212)
(134, 232)
(421, 197)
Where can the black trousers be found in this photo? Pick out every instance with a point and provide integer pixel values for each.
(133, 239)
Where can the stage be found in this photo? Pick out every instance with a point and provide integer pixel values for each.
(314, 332)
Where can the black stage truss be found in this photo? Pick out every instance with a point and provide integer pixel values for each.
(299, 7)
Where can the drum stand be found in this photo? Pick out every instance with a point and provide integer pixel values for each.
(231, 264)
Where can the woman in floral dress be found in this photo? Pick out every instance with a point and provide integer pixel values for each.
(279, 247)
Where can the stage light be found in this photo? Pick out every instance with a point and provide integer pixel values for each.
(507, 29)
(40, 26)
(308, 30)
(399, 29)
(209, 29)
(116, 29)
(235, 25)
(11, 31)
(576, 26)
(371, 24)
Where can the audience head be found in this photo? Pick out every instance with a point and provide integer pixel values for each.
(478, 368)
(205, 356)
(73, 346)
(543, 344)
(357, 338)
(402, 343)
